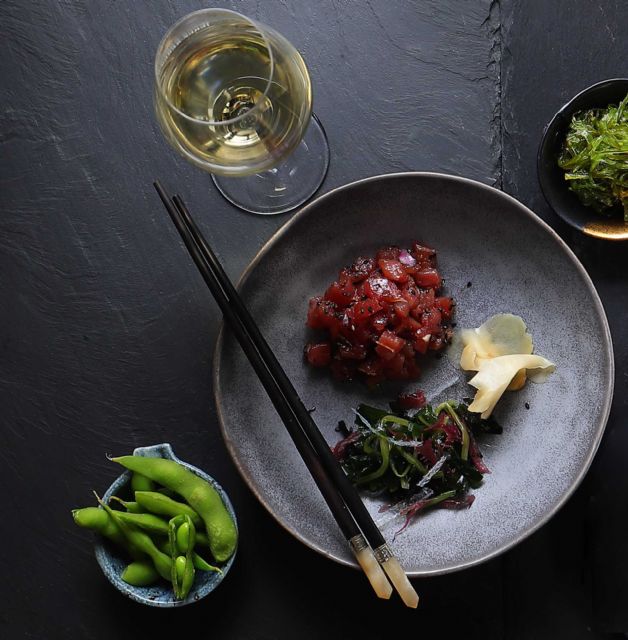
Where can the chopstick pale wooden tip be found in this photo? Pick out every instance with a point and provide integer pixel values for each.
(374, 573)
(401, 583)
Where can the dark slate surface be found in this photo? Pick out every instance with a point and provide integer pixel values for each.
(106, 331)
(580, 565)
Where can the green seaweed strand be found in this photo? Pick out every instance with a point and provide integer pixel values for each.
(384, 449)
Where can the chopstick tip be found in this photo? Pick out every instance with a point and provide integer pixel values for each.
(400, 581)
(374, 572)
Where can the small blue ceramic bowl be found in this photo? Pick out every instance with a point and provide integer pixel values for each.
(112, 564)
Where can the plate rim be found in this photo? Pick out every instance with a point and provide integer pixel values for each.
(607, 401)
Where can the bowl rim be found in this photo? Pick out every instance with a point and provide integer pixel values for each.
(557, 121)
(102, 549)
(524, 210)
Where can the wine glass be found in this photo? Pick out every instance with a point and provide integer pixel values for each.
(234, 97)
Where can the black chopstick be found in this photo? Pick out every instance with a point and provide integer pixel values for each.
(344, 518)
(334, 500)
(333, 469)
(362, 552)
(330, 478)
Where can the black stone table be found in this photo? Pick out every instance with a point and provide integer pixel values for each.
(107, 331)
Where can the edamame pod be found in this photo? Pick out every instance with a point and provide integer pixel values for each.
(146, 521)
(201, 539)
(180, 577)
(199, 494)
(188, 577)
(199, 563)
(183, 537)
(182, 533)
(163, 505)
(202, 565)
(140, 573)
(179, 567)
(141, 483)
(183, 565)
(141, 541)
(98, 520)
(131, 507)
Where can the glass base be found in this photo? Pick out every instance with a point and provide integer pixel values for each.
(287, 185)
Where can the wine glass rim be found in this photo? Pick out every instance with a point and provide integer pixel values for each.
(164, 55)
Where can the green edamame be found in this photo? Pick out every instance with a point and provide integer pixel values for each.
(140, 573)
(146, 521)
(202, 565)
(179, 567)
(182, 533)
(141, 483)
(183, 565)
(163, 505)
(183, 537)
(180, 570)
(199, 563)
(198, 493)
(98, 520)
(131, 507)
(141, 541)
(188, 577)
(201, 539)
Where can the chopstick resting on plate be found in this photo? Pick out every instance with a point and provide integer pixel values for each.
(366, 540)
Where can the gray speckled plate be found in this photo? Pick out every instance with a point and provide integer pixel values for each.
(515, 263)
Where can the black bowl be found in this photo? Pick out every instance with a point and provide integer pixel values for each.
(553, 184)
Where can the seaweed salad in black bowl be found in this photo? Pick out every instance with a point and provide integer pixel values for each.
(583, 161)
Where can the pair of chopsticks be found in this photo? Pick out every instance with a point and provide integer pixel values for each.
(366, 540)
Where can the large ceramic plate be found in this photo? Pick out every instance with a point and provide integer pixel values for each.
(515, 263)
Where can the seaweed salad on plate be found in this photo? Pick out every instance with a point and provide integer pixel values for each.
(416, 456)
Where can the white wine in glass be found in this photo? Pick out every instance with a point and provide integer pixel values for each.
(234, 97)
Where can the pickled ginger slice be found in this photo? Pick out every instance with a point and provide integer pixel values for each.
(501, 335)
(495, 374)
